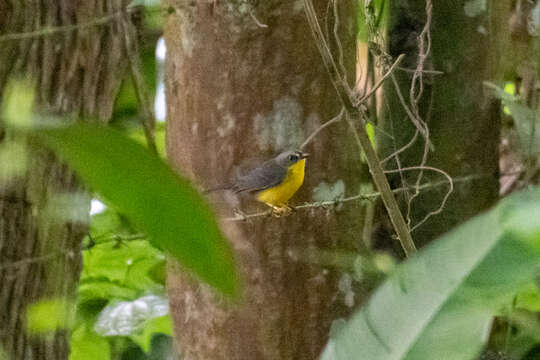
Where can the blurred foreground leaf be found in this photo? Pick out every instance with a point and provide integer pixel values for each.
(143, 188)
(49, 315)
(440, 303)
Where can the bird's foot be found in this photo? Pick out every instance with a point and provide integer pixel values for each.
(282, 210)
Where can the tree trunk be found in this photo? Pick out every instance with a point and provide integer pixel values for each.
(244, 81)
(463, 119)
(76, 73)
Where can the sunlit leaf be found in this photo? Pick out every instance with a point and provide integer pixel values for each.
(49, 315)
(159, 325)
(439, 304)
(13, 161)
(108, 225)
(529, 299)
(372, 15)
(85, 344)
(127, 263)
(151, 195)
(18, 103)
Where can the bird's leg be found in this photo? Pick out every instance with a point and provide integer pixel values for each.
(282, 210)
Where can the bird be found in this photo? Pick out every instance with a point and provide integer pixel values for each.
(273, 182)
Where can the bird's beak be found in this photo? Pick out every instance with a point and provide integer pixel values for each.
(304, 155)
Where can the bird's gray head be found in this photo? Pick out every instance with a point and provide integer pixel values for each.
(288, 158)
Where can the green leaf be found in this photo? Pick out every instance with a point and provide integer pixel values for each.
(127, 264)
(49, 315)
(439, 304)
(92, 289)
(85, 344)
(529, 299)
(107, 224)
(143, 188)
(372, 16)
(159, 325)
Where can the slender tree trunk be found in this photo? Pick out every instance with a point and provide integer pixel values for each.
(463, 119)
(245, 81)
(76, 73)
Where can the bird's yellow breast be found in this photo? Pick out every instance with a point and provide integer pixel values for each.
(280, 194)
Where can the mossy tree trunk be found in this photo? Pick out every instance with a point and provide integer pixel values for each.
(463, 119)
(75, 72)
(244, 81)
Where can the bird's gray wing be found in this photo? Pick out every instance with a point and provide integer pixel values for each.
(266, 176)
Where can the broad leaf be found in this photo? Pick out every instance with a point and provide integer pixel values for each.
(440, 303)
(127, 264)
(159, 325)
(85, 344)
(143, 188)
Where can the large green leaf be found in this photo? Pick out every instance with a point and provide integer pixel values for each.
(127, 264)
(440, 303)
(143, 188)
(85, 344)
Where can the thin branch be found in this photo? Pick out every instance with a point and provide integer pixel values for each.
(362, 138)
(48, 31)
(432, 72)
(257, 22)
(31, 260)
(381, 81)
(402, 149)
(417, 123)
(358, 197)
(148, 119)
(322, 127)
(450, 182)
(338, 43)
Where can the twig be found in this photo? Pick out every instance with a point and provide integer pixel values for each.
(417, 188)
(120, 237)
(381, 81)
(432, 72)
(358, 197)
(417, 123)
(402, 149)
(338, 43)
(364, 144)
(132, 51)
(323, 126)
(31, 260)
(48, 31)
(259, 24)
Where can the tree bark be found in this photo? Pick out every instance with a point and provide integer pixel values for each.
(463, 119)
(77, 73)
(244, 81)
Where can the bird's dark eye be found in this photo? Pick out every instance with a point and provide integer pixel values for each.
(293, 157)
